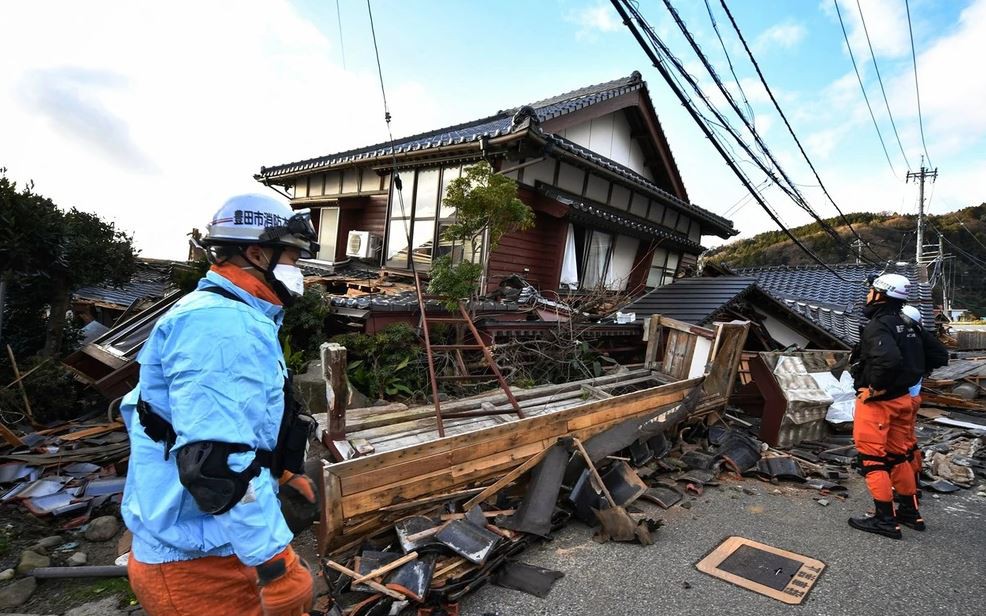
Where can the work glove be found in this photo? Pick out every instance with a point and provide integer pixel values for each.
(286, 585)
(865, 393)
(299, 502)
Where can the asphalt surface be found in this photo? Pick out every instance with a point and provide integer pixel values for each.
(940, 571)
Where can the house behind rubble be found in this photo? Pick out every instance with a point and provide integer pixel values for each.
(594, 165)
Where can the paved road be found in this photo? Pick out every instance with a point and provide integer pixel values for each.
(941, 571)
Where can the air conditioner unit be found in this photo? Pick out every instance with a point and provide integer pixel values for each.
(362, 244)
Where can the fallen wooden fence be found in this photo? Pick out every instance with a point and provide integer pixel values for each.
(355, 492)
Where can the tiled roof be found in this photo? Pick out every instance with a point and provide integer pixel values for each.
(692, 300)
(504, 122)
(493, 126)
(831, 302)
(151, 281)
(700, 301)
(614, 167)
(605, 216)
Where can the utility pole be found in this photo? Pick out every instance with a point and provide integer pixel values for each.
(858, 245)
(920, 177)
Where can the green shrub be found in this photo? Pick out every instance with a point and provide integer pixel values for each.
(387, 364)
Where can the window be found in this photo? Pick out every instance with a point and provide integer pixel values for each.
(663, 266)
(424, 217)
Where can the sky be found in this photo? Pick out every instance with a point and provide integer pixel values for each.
(152, 114)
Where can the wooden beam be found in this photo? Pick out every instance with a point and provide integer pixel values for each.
(20, 385)
(336, 387)
(403, 560)
(393, 594)
(502, 482)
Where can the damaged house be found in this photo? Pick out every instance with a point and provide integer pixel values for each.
(594, 165)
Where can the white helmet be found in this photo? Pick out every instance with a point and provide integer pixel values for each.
(259, 219)
(893, 285)
(912, 314)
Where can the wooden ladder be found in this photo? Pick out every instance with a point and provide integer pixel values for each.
(462, 319)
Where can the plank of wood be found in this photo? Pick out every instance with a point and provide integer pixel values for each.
(10, 436)
(427, 500)
(92, 431)
(653, 340)
(489, 514)
(393, 594)
(507, 479)
(384, 570)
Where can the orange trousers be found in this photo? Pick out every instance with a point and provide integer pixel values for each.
(199, 587)
(880, 428)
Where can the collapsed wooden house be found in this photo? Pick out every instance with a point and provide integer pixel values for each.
(411, 468)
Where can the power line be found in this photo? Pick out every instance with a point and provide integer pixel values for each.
(342, 44)
(879, 79)
(729, 61)
(625, 8)
(791, 190)
(917, 90)
(790, 129)
(845, 35)
(962, 224)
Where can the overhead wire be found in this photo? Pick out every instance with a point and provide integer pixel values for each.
(396, 182)
(967, 230)
(626, 8)
(342, 43)
(917, 89)
(790, 129)
(729, 60)
(790, 189)
(859, 78)
(879, 79)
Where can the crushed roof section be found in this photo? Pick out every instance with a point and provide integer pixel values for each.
(489, 127)
(150, 281)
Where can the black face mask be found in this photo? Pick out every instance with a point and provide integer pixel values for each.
(871, 309)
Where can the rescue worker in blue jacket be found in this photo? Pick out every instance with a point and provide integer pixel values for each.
(208, 429)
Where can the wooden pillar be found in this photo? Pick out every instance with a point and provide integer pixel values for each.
(336, 387)
(653, 326)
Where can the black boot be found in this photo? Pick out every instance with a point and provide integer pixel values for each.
(907, 512)
(882, 523)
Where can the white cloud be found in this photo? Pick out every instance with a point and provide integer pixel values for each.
(153, 114)
(886, 24)
(594, 19)
(780, 36)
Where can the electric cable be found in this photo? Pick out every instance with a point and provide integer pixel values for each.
(790, 129)
(396, 182)
(859, 78)
(729, 61)
(879, 79)
(625, 8)
(962, 224)
(342, 44)
(791, 190)
(917, 89)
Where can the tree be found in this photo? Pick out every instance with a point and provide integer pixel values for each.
(47, 253)
(486, 206)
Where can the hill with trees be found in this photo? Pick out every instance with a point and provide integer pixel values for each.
(888, 237)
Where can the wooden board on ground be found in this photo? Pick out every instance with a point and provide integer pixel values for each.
(764, 569)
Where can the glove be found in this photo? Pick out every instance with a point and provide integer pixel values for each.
(286, 585)
(865, 393)
(299, 504)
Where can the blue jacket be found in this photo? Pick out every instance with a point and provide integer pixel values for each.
(212, 367)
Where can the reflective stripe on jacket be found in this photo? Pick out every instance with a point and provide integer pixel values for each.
(213, 368)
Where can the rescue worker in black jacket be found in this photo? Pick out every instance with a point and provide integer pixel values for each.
(890, 360)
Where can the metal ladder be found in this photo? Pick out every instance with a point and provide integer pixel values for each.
(462, 319)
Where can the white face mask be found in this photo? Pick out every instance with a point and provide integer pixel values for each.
(292, 277)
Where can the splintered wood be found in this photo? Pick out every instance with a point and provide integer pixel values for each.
(365, 495)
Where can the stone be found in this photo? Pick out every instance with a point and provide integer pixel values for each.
(823, 502)
(103, 607)
(102, 528)
(17, 593)
(77, 559)
(686, 505)
(7, 574)
(50, 542)
(30, 561)
(749, 491)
